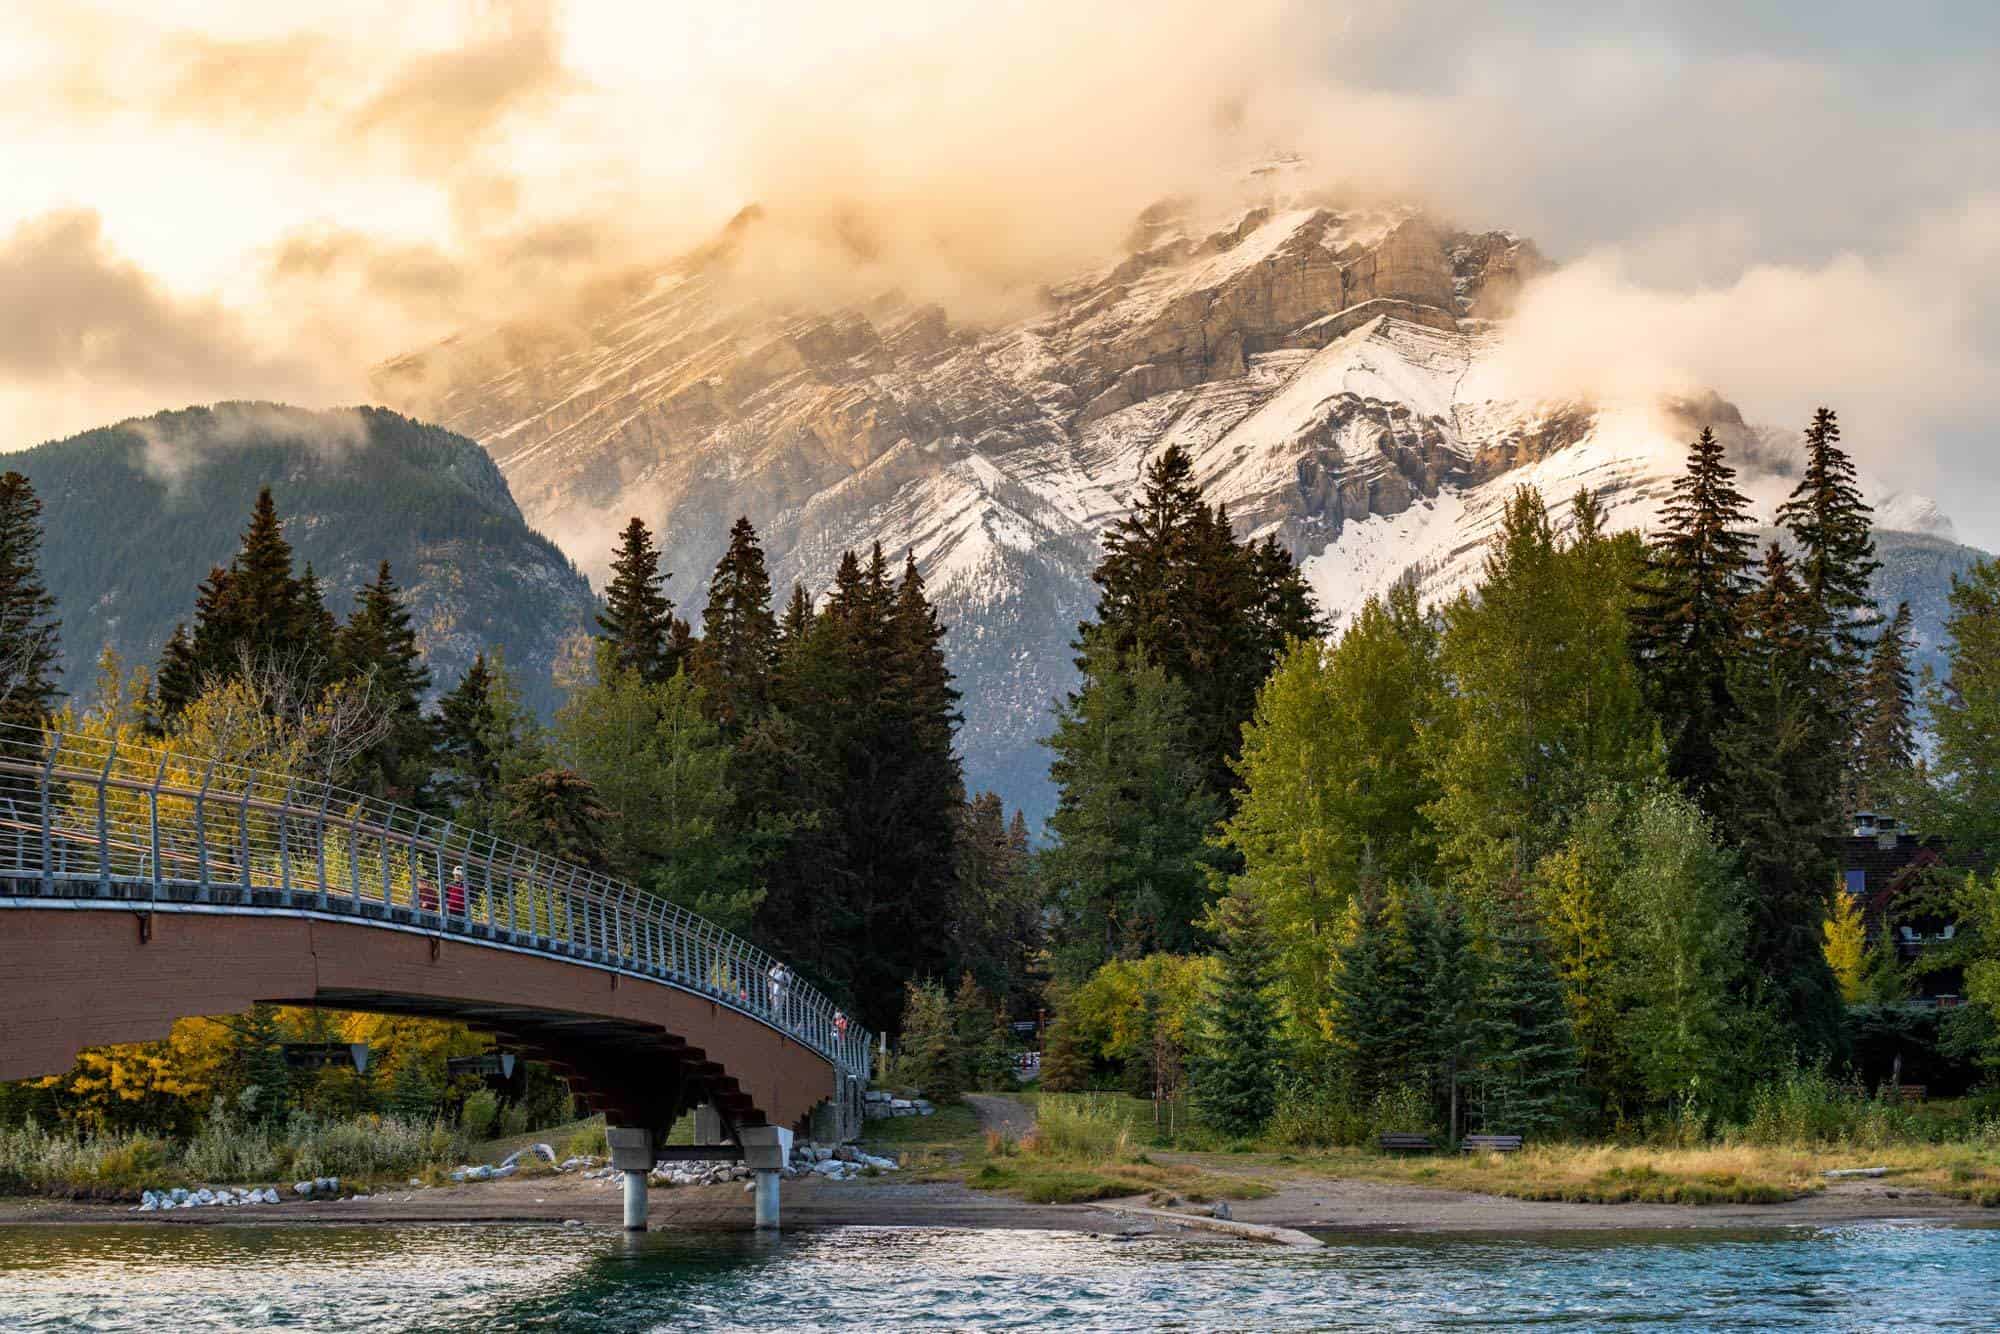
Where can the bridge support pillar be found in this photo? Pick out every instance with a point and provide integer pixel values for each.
(765, 1151)
(632, 1154)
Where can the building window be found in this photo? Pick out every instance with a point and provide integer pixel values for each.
(1857, 882)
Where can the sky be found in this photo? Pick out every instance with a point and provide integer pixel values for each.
(1790, 203)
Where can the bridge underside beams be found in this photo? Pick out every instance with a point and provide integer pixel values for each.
(637, 1049)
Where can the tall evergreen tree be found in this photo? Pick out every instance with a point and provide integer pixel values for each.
(487, 739)
(1127, 873)
(1781, 801)
(256, 615)
(1684, 621)
(1235, 1078)
(1529, 1075)
(1832, 527)
(30, 650)
(377, 650)
(556, 811)
(1965, 715)
(638, 624)
(1213, 613)
(1377, 998)
(739, 645)
(177, 682)
(1886, 738)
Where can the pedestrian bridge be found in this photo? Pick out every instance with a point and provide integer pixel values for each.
(139, 886)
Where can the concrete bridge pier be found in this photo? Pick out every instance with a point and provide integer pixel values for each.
(765, 1152)
(632, 1154)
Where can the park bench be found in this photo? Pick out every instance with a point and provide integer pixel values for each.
(1490, 1144)
(1406, 1144)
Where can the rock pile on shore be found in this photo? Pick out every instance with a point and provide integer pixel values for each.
(153, 1201)
(511, 1164)
(879, 1105)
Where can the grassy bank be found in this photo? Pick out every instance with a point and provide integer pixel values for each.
(1084, 1147)
(1107, 1145)
(224, 1151)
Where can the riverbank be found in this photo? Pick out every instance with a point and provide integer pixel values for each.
(1297, 1200)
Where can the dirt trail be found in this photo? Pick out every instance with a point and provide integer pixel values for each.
(1010, 1117)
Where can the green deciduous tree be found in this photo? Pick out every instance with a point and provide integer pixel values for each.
(1543, 705)
(1333, 785)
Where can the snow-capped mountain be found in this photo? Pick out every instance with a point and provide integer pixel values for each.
(1333, 372)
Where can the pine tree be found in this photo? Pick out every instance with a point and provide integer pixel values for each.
(1214, 614)
(486, 740)
(1684, 621)
(1831, 526)
(739, 644)
(1128, 871)
(412, 1095)
(1448, 981)
(30, 650)
(176, 683)
(259, 1060)
(1965, 715)
(1886, 740)
(256, 616)
(557, 812)
(1065, 1068)
(638, 622)
(1235, 1080)
(377, 649)
(1376, 999)
(1781, 801)
(1529, 1076)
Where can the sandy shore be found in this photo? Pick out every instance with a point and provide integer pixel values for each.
(1302, 1202)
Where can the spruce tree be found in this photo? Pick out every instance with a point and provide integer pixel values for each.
(1781, 802)
(486, 740)
(556, 811)
(739, 645)
(1965, 715)
(1235, 1078)
(1065, 1067)
(1377, 999)
(1832, 528)
(1684, 620)
(259, 1060)
(176, 683)
(1529, 1073)
(1886, 739)
(638, 624)
(1448, 980)
(377, 650)
(30, 650)
(256, 616)
(1214, 614)
(412, 1095)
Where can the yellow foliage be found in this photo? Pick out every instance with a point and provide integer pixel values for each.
(1108, 1009)
(1845, 944)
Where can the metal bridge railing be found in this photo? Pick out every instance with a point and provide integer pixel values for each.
(83, 816)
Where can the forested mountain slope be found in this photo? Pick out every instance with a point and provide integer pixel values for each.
(135, 515)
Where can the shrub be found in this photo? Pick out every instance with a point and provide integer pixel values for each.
(1313, 1114)
(477, 1116)
(590, 1141)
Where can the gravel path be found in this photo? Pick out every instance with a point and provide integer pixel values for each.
(1009, 1116)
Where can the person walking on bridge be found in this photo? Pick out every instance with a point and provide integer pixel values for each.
(781, 979)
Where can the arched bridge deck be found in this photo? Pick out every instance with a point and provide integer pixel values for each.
(138, 886)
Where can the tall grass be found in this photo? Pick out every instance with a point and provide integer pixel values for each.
(1084, 1127)
(225, 1149)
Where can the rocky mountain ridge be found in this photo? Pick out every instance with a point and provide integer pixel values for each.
(1333, 371)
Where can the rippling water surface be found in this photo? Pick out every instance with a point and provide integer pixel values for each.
(556, 1279)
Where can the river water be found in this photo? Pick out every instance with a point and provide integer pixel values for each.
(228, 1277)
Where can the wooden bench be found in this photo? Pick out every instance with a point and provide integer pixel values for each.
(1406, 1144)
(1490, 1144)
